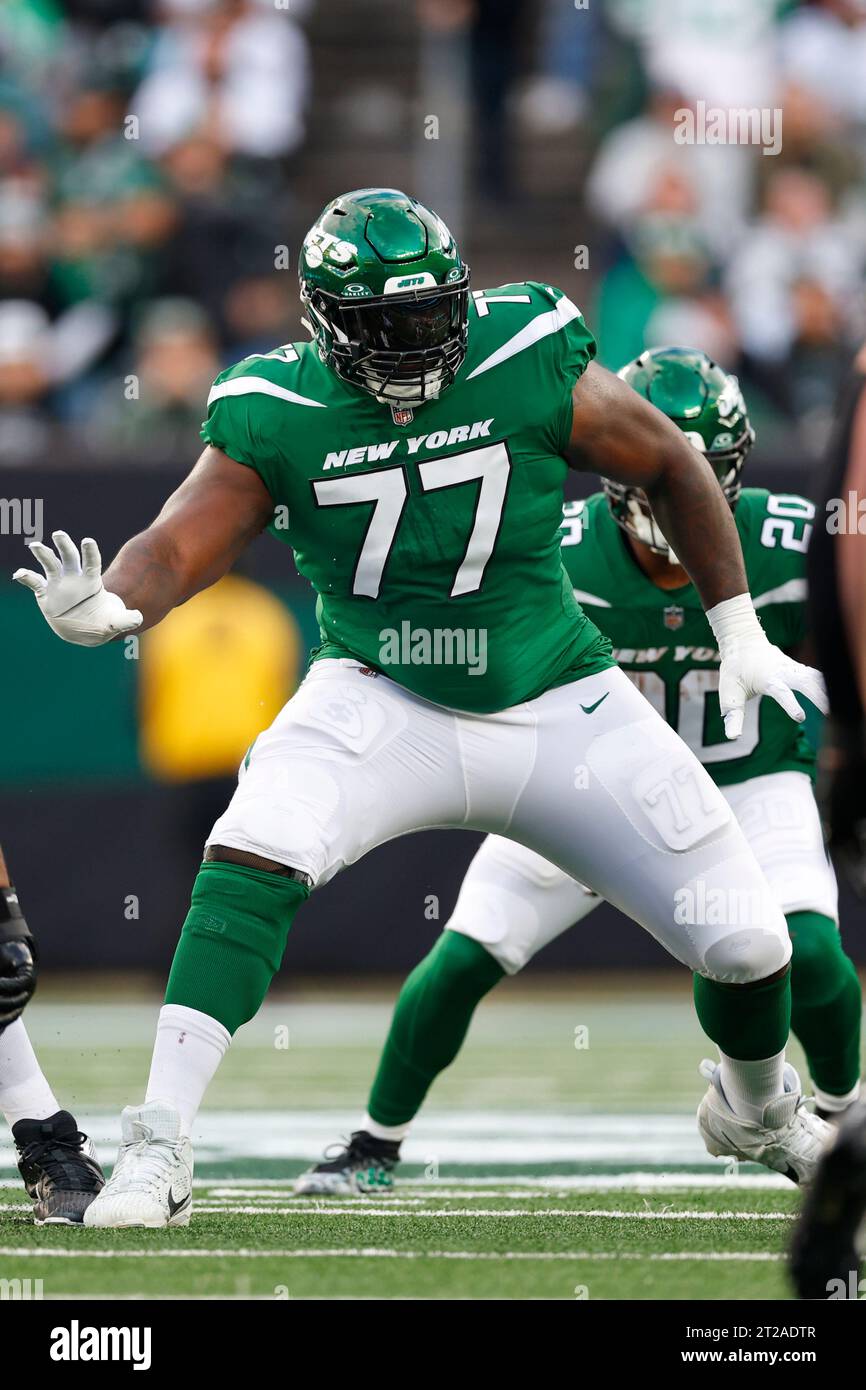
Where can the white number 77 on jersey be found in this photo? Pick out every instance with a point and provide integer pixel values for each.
(388, 490)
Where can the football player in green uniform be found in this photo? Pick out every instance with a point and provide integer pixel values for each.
(57, 1162)
(512, 902)
(413, 456)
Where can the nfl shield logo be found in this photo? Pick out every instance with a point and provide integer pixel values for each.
(402, 415)
(674, 617)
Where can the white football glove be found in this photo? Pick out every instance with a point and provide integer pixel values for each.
(751, 665)
(73, 599)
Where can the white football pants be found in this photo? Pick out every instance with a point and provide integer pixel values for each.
(588, 776)
(514, 902)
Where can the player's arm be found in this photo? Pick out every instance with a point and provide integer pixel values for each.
(617, 433)
(200, 532)
(17, 953)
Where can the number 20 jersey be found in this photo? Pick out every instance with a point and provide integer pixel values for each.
(663, 641)
(431, 535)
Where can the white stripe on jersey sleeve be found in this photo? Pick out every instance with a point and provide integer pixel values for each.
(537, 328)
(259, 386)
(591, 598)
(794, 591)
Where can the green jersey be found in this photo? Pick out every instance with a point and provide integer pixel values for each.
(661, 637)
(431, 535)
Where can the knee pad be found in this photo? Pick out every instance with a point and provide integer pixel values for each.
(747, 955)
(736, 930)
(502, 922)
(513, 902)
(513, 920)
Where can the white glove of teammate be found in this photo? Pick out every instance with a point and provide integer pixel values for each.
(73, 599)
(751, 665)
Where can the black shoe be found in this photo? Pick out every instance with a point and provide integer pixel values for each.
(365, 1165)
(59, 1168)
(825, 1261)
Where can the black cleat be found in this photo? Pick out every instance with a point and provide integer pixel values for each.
(59, 1168)
(825, 1261)
(361, 1167)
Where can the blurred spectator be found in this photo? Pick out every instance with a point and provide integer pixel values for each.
(556, 99)
(241, 72)
(665, 290)
(31, 37)
(718, 51)
(225, 233)
(795, 287)
(157, 406)
(24, 380)
(639, 169)
(23, 243)
(112, 213)
(214, 673)
(258, 313)
(823, 54)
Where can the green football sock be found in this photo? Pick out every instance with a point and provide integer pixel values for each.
(826, 1002)
(430, 1021)
(232, 941)
(747, 1022)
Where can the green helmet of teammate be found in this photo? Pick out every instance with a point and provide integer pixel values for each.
(386, 294)
(707, 405)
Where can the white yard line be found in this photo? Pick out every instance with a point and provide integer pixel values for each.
(516, 1185)
(397, 1211)
(373, 1253)
(519, 1184)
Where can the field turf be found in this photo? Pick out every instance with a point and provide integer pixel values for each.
(558, 1159)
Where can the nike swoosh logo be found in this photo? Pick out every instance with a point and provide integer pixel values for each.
(589, 709)
(173, 1206)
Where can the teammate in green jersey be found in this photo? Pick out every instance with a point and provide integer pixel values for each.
(512, 902)
(413, 455)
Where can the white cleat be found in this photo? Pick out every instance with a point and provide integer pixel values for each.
(788, 1140)
(151, 1184)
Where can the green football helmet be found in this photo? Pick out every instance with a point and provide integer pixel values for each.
(386, 294)
(707, 405)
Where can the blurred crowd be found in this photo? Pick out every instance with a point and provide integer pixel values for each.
(756, 257)
(148, 151)
(145, 158)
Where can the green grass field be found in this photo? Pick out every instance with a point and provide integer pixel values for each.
(557, 1159)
